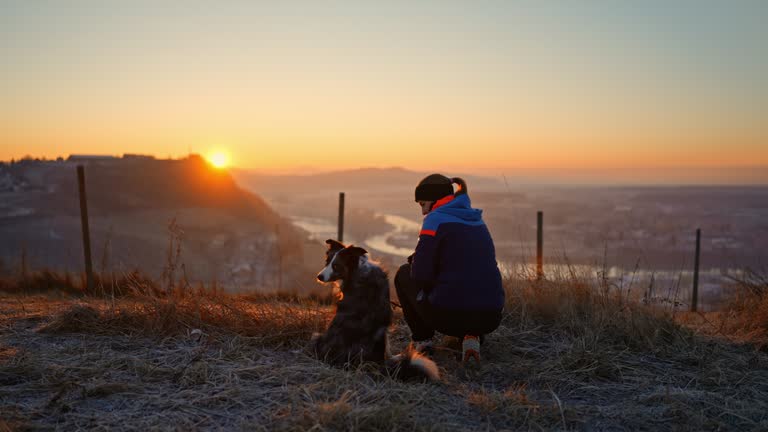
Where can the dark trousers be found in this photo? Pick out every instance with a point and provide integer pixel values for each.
(424, 319)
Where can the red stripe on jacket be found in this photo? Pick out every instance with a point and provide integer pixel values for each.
(442, 201)
(428, 232)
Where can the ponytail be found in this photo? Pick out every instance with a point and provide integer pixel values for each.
(462, 186)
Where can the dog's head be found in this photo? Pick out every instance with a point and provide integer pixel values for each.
(340, 261)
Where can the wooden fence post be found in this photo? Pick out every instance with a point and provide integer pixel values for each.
(86, 230)
(341, 217)
(539, 245)
(695, 294)
(279, 259)
(24, 262)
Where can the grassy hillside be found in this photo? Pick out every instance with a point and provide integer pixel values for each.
(141, 208)
(569, 355)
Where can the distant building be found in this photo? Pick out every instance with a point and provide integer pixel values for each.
(133, 156)
(91, 158)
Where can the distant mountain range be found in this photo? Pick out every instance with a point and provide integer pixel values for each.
(515, 178)
(379, 179)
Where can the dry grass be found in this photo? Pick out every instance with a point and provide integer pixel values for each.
(744, 320)
(272, 322)
(53, 283)
(45, 281)
(747, 319)
(596, 315)
(569, 355)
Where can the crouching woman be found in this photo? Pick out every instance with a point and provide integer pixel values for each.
(452, 282)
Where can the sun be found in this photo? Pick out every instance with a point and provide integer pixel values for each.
(219, 159)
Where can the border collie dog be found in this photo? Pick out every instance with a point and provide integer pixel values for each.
(358, 331)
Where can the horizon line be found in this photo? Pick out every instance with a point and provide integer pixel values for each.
(528, 178)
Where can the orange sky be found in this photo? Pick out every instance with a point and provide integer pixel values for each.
(597, 90)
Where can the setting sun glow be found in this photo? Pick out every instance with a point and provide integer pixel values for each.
(219, 159)
(595, 93)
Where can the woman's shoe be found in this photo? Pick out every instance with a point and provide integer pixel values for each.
(470, 348)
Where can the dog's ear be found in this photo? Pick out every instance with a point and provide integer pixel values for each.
(356, 251)
(333, 244)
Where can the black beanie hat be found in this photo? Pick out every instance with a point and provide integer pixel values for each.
(436, 186)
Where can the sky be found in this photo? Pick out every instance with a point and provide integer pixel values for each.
(600, 91)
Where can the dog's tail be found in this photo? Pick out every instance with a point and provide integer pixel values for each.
(411, 365)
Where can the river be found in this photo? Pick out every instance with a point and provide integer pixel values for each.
(321, 229)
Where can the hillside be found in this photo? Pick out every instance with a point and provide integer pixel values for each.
(568, 356)
(140, 209)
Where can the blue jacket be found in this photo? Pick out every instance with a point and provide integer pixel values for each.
(456, 259)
